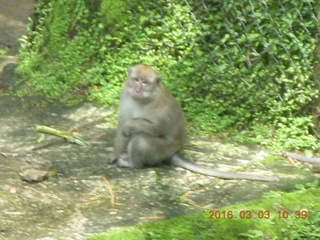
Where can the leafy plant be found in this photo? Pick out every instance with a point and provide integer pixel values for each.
(242, 67)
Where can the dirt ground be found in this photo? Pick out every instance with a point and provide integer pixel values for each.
(13, 18)
(78, 203)
(87, 196)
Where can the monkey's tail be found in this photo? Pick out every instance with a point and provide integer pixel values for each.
(178, 161)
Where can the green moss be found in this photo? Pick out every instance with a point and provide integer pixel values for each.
(278, 215)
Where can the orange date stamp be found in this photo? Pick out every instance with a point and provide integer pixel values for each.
(303, 214)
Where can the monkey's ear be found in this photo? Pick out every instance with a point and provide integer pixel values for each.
(130, 70)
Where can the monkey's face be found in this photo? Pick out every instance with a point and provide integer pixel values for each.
(142, 82)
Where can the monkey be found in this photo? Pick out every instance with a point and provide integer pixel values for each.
(151, 128)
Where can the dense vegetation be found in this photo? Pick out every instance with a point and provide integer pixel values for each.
(241, 67)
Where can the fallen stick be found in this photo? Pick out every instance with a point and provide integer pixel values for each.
(302, 158)
(110, 190)
(66, 135)
(8, 198)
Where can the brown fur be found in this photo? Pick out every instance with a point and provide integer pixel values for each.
(152, 128)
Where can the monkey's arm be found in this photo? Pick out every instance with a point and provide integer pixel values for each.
(142, 125)
(119, 146)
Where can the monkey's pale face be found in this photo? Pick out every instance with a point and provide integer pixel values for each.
(138, 88)
(142, 82)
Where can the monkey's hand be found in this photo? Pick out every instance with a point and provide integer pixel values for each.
(127, 130)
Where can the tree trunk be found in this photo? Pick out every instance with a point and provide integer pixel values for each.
(316, 109)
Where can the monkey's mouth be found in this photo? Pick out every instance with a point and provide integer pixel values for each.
(137, 95)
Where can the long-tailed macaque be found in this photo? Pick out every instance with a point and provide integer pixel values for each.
(151, 127)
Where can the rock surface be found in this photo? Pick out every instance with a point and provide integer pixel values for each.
(34, 175)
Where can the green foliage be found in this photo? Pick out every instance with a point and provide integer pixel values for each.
(115, 14)
(60, 58)
(236, 66)
(272, 217)
(289, 133)
(4, 51)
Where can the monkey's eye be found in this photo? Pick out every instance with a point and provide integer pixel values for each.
(140, 80)
(144, 81)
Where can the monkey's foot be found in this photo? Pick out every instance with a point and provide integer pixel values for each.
(124, 161)
(112, 159)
